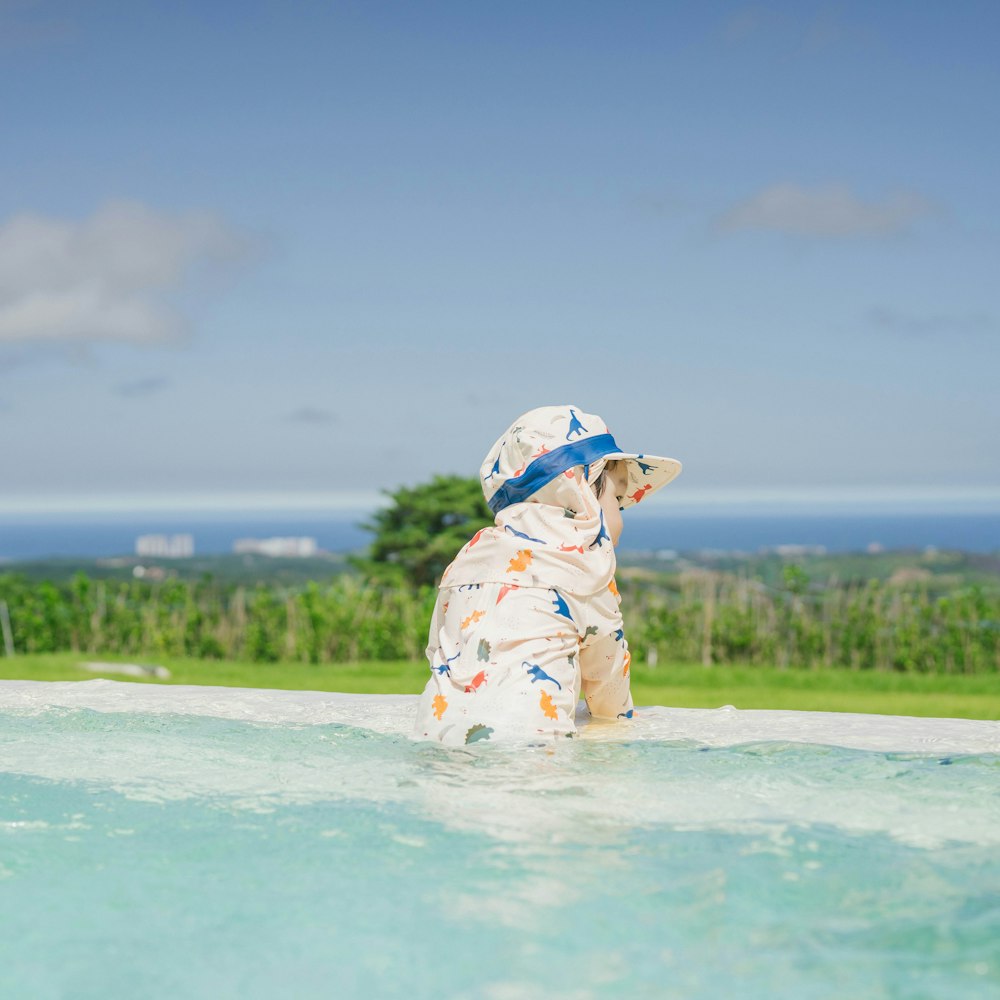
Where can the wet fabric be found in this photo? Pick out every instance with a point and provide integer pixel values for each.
(511, 663)
(527, 616)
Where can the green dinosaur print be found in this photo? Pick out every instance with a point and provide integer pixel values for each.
(478, 732)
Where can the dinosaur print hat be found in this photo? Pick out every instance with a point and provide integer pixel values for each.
(546, 442)
(549, 528)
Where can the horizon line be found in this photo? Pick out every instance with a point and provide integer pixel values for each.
(676, 500)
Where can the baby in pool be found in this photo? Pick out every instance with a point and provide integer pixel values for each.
(527, 615)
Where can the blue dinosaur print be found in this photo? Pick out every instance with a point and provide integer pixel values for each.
(562, 608)
(626, 715)
(496, 466)
(445, 667)
(575, 427)
(537, 674)
(646, 469)
(469, 586)
(601, 535)
(619, 634)
(521, 534)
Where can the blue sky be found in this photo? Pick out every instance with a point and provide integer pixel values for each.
(272, 254)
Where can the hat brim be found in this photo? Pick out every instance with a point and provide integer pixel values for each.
(646, 475)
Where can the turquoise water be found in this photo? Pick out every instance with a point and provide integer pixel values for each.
(165, 855)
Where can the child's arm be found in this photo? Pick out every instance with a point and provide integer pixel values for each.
(604, 672)
(437, 623)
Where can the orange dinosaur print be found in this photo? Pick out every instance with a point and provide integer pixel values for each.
(519, 471)
(445, 607)
(505, 590)
(569, 474)
(628, 663)
(613, 587)
(541, 451)
(474, 617)
(475, 538)
(548, 709)
(521, 561)
(440, 704)
(477, 682)
(571, 548)
(639, 494)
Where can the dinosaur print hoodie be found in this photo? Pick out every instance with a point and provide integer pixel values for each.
(527, 615)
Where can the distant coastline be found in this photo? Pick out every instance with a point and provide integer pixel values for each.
(24, 538)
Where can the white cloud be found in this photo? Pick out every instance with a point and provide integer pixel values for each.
(795, 31)
(27, 22)
(107, 277)
(312, 415)
(830, 211)
(141, 386)
(935, 324)
(740, 24)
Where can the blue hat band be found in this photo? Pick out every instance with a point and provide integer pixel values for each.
(546, 467)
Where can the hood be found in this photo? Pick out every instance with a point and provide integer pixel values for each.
(549, 529)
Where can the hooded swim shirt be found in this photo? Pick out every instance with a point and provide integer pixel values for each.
(527, 615)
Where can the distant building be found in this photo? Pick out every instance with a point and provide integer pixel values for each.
(294, 547)
(141, 572)
(165, 546)
(795, 551)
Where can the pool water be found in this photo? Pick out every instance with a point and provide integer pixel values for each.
(170, 842)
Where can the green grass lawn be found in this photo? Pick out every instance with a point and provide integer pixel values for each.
(969, 697)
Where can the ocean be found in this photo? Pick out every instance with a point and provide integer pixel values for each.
(23, 538)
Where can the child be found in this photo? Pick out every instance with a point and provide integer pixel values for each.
(527, 613)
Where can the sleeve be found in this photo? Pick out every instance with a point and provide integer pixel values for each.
(434, 631)
(604, 675)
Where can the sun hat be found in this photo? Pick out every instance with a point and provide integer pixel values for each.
(545, 442)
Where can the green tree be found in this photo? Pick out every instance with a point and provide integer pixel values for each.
(422, 529)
